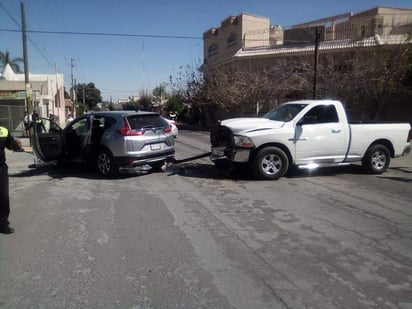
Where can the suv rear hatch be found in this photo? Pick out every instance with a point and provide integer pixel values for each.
(147, 135)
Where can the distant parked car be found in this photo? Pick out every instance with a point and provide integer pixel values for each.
(172, 122)
(109, 141)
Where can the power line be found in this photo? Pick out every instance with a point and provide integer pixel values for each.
(108, 34)
(31, 41)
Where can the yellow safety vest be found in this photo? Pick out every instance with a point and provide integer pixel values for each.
(3, 132)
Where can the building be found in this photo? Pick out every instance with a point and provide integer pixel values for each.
(246, 35)
(249, 43)
(237, 33)
(46, 96)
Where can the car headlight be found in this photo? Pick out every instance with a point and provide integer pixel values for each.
(243, 141)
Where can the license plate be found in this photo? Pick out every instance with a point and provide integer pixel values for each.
(155, 146)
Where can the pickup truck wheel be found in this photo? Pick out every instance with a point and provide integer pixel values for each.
(376, 159)
(270, 163)
(105, 163)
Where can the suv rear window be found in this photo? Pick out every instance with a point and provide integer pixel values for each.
(146, 121)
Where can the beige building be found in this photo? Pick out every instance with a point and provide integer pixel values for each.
(246, 37)
(46, 96)
(236, 33)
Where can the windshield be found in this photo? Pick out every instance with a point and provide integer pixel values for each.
(285, 112)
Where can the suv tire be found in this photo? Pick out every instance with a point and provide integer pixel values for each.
(105, 163)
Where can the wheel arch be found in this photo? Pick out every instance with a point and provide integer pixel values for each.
(279, 145)
(101, 147)
(93, 152)
(385, 142)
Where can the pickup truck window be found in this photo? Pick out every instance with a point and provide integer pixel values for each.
(321, 114)
(284, 112)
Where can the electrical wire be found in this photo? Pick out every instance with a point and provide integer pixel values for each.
(157, 36)
(31, 41)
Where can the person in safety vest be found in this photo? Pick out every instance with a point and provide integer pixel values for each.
(6, 141)
(38, 123)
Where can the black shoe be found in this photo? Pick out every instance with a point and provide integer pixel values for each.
(6, 230)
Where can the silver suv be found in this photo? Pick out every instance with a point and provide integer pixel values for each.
(109, 141)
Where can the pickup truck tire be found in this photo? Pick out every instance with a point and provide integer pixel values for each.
(270, 163)
(106, 166)
(376, 159)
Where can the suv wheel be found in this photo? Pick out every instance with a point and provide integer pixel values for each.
(105, 163)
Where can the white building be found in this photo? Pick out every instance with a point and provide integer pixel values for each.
(46, 96)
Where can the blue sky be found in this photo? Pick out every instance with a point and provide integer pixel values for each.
(166, 35)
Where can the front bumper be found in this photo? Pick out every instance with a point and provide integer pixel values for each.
(239, 155)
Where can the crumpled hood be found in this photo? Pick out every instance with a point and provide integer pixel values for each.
(246, 125)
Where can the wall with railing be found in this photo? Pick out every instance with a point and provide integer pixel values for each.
(12, 118)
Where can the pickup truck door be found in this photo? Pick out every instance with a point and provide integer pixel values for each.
(320, 137)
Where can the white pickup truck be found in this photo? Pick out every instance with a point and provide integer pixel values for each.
(308, 134)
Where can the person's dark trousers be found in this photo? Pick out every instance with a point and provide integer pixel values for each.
(4, 196)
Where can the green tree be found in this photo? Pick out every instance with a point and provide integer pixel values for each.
(160, 91)
(174, 104)
(189, 85)
(14, 63)
(130, 106)
(145, 102)
(88, 94)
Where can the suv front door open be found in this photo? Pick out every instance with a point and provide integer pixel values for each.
(47, 140)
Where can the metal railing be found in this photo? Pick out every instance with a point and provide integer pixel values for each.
(12, 118)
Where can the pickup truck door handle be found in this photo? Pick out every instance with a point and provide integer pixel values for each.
(335, 130)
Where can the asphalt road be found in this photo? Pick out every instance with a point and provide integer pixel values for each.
(193, 238)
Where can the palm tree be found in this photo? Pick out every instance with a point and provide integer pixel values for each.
(14, 63)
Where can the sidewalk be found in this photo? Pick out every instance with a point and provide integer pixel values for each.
(19, 162)
(25, 141)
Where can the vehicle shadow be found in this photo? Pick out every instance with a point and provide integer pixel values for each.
(209, 171)
(325, 171)
(403, 169)
(201, 170)
(401, 179)
(76, 171)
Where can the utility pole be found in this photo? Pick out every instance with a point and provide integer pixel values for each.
(315, 69)
(73, 90)
(28, 89)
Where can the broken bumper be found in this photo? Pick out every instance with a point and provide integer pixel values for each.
(240, 155)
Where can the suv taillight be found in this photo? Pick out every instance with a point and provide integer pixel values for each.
(168, 129)
(127, 130)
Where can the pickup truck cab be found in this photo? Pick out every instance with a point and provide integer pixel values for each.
(308, 134)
